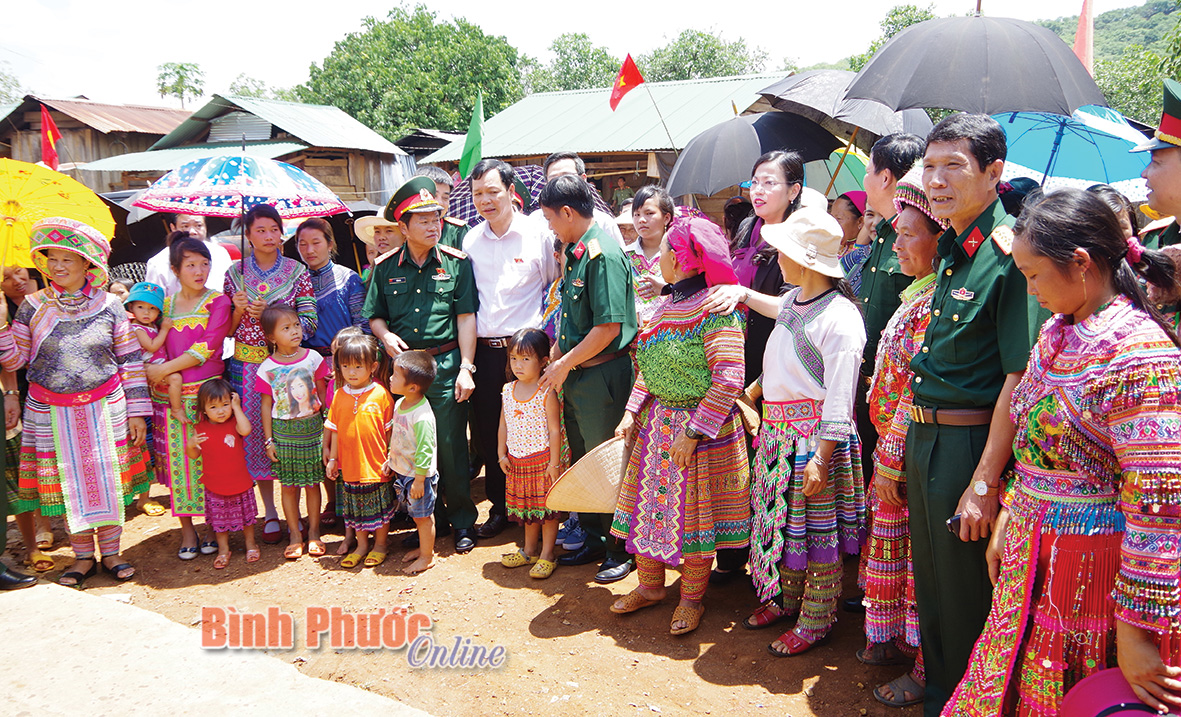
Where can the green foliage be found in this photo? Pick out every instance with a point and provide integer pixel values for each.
(1132, 83)
(695, 54)
(1145, 25)
(577, 65)
(413, 70)
(246, 86)
(842, 64)
(896, 20)
(11, 91)
(180, 80)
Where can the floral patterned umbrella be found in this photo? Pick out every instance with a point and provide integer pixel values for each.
(230, 185)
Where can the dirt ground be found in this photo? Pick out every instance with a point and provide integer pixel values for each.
(566, 652)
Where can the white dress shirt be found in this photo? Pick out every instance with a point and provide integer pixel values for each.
(513, 273)
(159, 270)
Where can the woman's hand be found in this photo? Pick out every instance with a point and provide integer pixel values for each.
(815, 477)
(137, 430)
(683, 450)
(724, 298)
(272, 453)
(255, 308)
(553, 471)
(12, 411)
(240, 301)
(330, 469)
(156, 373)
(1155, 683)
(627, 427)
(889, 491)
(996, 546)
(650, 286)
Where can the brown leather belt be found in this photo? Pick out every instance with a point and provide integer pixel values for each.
(498, 342)
(449, 346)
(602, 358)
(951, 416)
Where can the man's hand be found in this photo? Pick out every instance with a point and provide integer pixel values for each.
(464, 385)
(977, 514)
(393, 344)
(555, 374)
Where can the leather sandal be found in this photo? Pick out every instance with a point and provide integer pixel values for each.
(765, 616)
(79, 578)
(900, 687)
(797, 645)
(631, 602)
(114, 572)
(688, 615)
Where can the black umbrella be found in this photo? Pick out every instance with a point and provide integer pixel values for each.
(722, 155)
(819, 95)
(977, 64)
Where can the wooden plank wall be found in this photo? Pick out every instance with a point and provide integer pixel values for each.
(80, 144)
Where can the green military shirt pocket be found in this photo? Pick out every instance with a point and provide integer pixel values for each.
(967, 334)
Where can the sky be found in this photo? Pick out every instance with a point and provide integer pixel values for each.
(109, 51)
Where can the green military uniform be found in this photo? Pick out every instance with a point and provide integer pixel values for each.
(983, 326)
(422, 305)
(1161, 238)
(597, 289)
(882, 282)
(454, 230)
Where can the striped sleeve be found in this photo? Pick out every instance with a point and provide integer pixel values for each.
(724, 341)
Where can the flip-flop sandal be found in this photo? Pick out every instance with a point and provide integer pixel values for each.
(900, 687)
(39, 561)
(271, 537)
(796, 645)
(208, 547)
(351, 560)
(542, 569)
(221, 561)
(881, 654)
(253, 556)
(765, 616)
(517, 559)
(153, 509)
(316, 548)
(293, 552)
(690, 616)
(374, 558)
(631, 602)
(44, 540)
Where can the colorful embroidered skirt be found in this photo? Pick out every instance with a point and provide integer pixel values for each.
(365, 506)
(789, 529)
(301, 456)
(668, 514)
(242, 375)
(525, 487)
(890, 609)
(177, 471)
(228, 513)
(78, 461)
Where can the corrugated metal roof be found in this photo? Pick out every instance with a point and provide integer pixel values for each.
(317, 125)
(582, 120)
(105, 118)
(163, 160)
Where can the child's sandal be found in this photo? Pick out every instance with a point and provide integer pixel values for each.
(351, 560)
(542, 569)
(517, 559)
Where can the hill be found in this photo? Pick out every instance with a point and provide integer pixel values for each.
(1115, 30)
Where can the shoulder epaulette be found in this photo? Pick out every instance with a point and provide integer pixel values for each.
(1003, 236)
(593, 248)
(456, 222)
(386, 255)
(452, 251)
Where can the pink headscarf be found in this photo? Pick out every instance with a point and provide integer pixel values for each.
(701, 246)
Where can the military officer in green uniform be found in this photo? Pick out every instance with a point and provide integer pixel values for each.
(882, 279)
(423, 296)
(454, 230)
(1163, 173)
(597, 325)
(982, 328)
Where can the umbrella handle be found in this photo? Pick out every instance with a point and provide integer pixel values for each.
(833, 179)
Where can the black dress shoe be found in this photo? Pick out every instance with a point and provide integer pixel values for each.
(12, 580)
(465, 540)
(582, 556)
(612, 570)
(493, 527)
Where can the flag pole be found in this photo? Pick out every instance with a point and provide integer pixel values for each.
(672, 142)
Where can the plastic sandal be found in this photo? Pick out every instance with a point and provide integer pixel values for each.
(900, 687)
(881, 654)
(253, 556)
(152, 509)
(40, 562)
(795, 644)
(542, 569)
(631, 602)
(44, 540)
(221, 561)
(374, 558)
(688, 615)
(517, 559)
(765, 616)
(78, 577)
(293, 551)
(114, 572)
(316, 548)
(351, 560)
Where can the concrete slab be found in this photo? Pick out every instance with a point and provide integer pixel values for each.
(69, 651)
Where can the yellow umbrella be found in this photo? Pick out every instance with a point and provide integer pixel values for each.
(30, 192)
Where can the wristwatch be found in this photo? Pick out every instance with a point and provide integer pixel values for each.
(982, 488)
(470, 368)
(694, 434)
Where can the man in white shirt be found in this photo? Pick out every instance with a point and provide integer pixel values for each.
(514, 265)
(560, 163)
(159, 268)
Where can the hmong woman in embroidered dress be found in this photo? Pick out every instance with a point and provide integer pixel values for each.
(82, 449)
(807, 495)
(1084, 555)
(270, 278)
(686, 489)
(891, 618)
(652, 213)
(200, 321)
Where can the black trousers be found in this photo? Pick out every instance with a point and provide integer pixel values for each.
(865, 430)
(490, 379)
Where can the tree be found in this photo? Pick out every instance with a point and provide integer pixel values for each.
(695, 54)
(1132, 83)
(246, 86)
(412, 70)
(180, 80)
(577, 65)
(896, 20)
(11, 91)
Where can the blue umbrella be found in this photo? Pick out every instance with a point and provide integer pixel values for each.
(1088, 147)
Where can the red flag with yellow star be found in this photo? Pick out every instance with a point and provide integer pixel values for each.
(628, 78)
(49, 137)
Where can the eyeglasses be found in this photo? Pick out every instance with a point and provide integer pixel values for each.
(769, 185)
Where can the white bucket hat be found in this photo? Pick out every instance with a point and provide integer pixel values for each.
(364, 228)
(810, 237)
